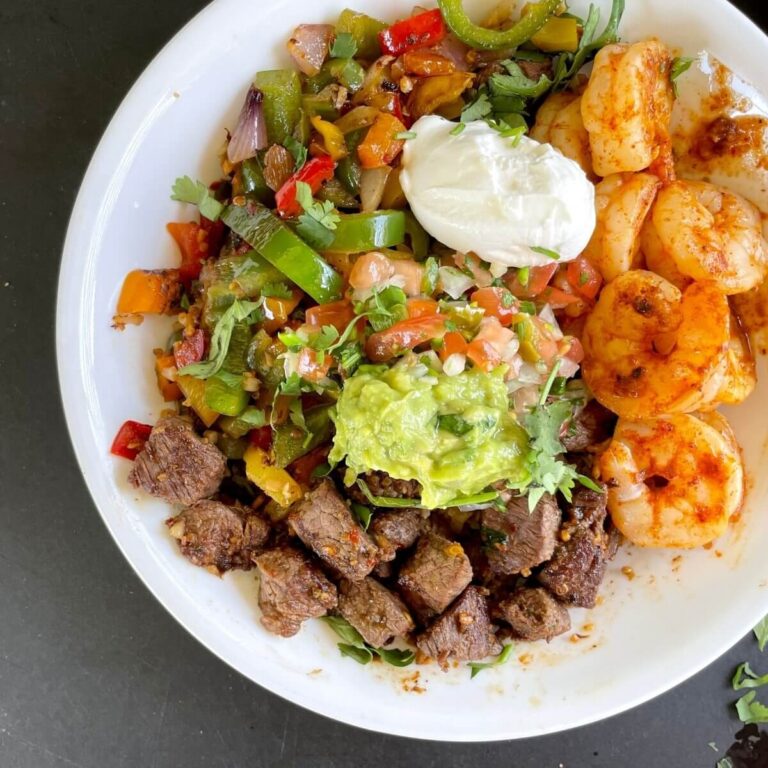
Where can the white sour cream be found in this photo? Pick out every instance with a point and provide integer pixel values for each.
(497, 197)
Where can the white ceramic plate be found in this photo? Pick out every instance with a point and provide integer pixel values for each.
(649, 634)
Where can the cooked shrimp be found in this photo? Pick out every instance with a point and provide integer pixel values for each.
(651, 350)
(559, 123)
(627, 106)
(710, 234)
(658, 259)
(740, 377)
(622, 202)
(674, 481)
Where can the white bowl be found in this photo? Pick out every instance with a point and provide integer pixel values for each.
(649, 634)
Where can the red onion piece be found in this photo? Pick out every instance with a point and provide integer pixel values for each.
(309, 45)
(250, 134)
(452, 48)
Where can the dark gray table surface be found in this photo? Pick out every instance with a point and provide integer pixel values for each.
(93, 672)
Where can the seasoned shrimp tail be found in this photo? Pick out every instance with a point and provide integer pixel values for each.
(651, 350)
(674, 481)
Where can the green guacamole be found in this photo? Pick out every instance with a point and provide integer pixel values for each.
(454, 434)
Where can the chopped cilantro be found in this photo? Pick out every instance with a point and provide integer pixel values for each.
(491, 536)
(751, 711)
(187, 191)
(356, 648)
(502, 658)
(405, 135)
(554, 255)
(363, 514)
(478, 109)
(276, 291)
(458, 129)
(523, 276)
(517, 83)
(680, 65)
(319, 220)
(454, 424)
(237, 312)
(385, 307)
(761, 633)
(746, 677)
(298, 150)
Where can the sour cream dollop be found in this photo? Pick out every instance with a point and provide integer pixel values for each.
(497, 197)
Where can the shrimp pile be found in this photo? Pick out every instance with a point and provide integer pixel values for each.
(662, 346)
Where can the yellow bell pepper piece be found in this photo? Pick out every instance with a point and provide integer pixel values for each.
(194, 393)
(333, 138)
(275, 482)
(557, 34)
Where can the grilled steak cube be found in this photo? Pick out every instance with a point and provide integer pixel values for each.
(463, 632)
(324, 522)
(534, 614)
(396, 529)
(590, 425)
(292, 589)
(517, 538)
(434, 575)
(587, 509)
(376, 613)
(177, 465)
(219, 537)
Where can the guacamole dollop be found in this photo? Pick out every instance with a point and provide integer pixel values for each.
(454, 434)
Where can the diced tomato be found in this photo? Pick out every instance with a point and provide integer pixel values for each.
(193, 240)
(381, 145)
(130, 438)
(570, 348)
(421, 307)
(314, 172)
(301, 470)
(423, 29)
(412, 274)
(483, 354)
(407, 334)
(190, 349)
(556, 298)
(537, 280)
(584, 278)
(308, 366)
(498, 303)
(261, 437)
(369, 270)
(277, 309)
(339, 314)
(453, 343)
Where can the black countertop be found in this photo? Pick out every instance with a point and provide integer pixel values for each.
(93, 672)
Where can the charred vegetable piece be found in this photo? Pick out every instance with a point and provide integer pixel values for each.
(313, 173)
(285, 250)
(381, 145)
(364, 30)
(421, 30)
(254, 183)
(282, 102)
(130, 439)
(274, 481)
(224, 393)
(495, 39)
(291, 442)
(357, 232)
(149, 291)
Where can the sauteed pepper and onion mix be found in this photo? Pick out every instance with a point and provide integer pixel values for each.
(434, 272)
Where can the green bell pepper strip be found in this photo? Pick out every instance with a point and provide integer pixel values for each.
(495, 39)
(254, 183)
(364, 30)
(239, 426)
(290, 442)
(232, 448)
(235, 277)
(357, 232)
(282, 102)
(418, 237)
(235, 361)
(319, 105)
(224, 393)
(285, 250)
(346, 71)
(348, 170)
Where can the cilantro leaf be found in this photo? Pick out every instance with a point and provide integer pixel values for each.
(395, 656)
(761, 633)
(187, 191)
(725, 762)
(384, 501)
(362, 655)
(350, 356)
(356, 648)
(456, 425)
(680, 64)
(502, 658)
(253, 417)
(491, 536)
(319, 220)
(746, 677)
(291, 385)
(298, 150)
(344, 46)
(478, 109)
(344, 630)
(751, 711)
(276, 290)
(238, 311)
(386, 307)
(517, 83)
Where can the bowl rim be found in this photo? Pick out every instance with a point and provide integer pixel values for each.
(135, 102)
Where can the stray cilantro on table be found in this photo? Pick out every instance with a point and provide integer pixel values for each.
(751, 711)
(761, 633)
(187, 191)
(502, 658)
(746, 677)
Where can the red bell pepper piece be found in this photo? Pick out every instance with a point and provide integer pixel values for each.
(407, 334)
(193, 242)
(130, 438)
(190, 349)
(314, 172)
(423, 29)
